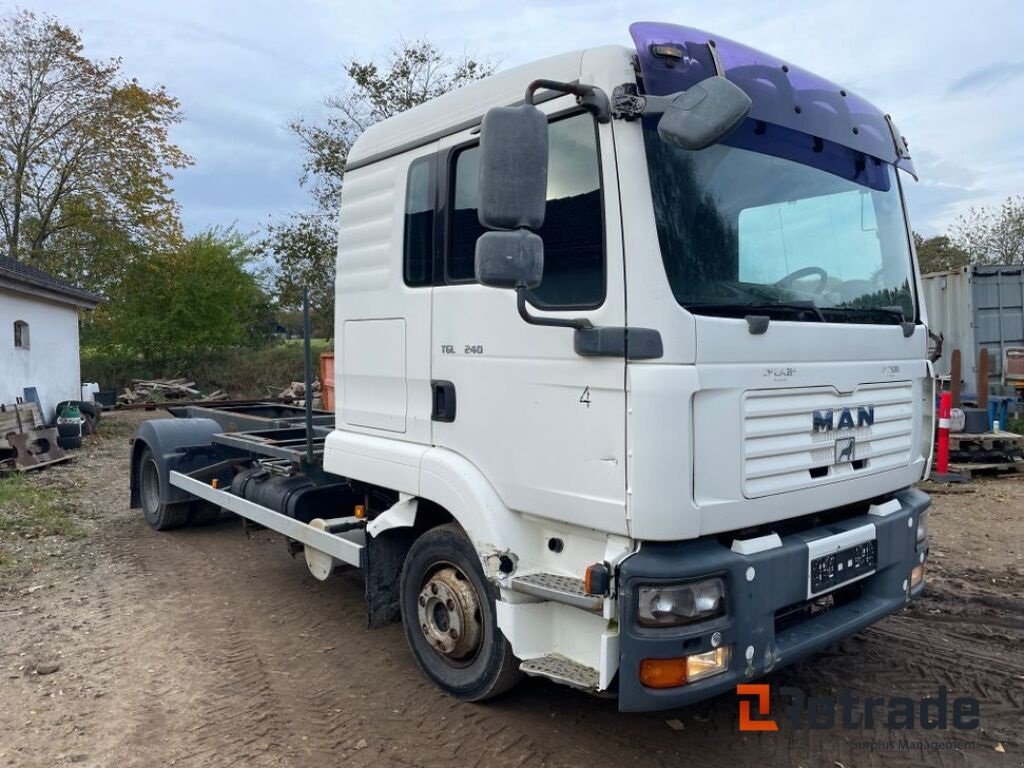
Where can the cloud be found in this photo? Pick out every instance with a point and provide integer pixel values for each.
(243, 68)
(987, 78)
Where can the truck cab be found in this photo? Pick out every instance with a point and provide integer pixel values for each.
(786, 394)
(630, 345)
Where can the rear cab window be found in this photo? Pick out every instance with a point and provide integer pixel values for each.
(418, 249)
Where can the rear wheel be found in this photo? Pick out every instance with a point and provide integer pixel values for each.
(448, 611)
(160, 515)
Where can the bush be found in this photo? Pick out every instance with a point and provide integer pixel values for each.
(243, 373)
(170, 307)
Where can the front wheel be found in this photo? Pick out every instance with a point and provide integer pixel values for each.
(450, 620)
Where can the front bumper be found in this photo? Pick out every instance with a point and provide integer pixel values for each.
(758, 586)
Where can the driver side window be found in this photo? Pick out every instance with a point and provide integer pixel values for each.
(573, 231)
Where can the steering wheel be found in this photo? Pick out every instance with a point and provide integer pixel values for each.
(792, 277)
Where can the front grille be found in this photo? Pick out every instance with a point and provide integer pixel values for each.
(782, 452)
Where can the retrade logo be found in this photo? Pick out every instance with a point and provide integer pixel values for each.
(763, 694)
(851, 713)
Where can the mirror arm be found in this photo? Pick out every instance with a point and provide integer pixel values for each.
(558, 322)
(629, 104)
(590, 97)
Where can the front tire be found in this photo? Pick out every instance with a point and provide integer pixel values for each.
(450, 620)
(160, 515)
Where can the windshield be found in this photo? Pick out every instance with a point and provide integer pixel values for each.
(777, 222)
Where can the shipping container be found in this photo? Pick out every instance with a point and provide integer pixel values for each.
(973, 308)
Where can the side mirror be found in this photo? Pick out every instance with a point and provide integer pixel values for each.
(703, 114)
(513, 195)
(510, 259)
(513, 168)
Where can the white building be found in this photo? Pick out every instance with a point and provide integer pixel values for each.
(39, 335)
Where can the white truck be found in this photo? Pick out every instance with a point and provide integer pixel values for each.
(632, 388)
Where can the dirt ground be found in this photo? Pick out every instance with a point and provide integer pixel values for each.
(203, 647)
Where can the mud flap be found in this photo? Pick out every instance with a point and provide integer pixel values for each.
(382, 560)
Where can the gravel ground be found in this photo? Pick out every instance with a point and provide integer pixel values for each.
(205, 647)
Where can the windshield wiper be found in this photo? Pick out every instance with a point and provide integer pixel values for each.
(894, 314)
(740, 309)
(890, 313)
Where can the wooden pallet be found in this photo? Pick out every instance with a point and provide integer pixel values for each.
(20, 417)
(10, 468)
(987, 442)
(968, 469)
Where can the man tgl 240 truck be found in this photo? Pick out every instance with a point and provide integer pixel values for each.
(632, 388)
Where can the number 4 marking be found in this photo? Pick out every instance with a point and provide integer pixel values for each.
(585, 397)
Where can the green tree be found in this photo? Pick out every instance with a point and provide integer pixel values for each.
(303, 245)
(992, 235)
(197, 298)
(938, 253)
(81, 147)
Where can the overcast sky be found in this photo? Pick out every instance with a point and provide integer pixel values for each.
(951, 72)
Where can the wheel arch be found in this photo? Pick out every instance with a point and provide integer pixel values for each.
(167, 440)
(456, 485)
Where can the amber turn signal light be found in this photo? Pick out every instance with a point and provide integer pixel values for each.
(663, 673)
(916, 575)
(597, 580)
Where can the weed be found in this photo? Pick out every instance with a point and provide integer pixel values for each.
(30, 511)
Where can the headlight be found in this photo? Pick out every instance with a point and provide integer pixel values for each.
(922, 526)
(671, 605)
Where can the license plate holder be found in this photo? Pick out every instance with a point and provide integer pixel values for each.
(840, 559)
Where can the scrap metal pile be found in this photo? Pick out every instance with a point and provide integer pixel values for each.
(25, 441)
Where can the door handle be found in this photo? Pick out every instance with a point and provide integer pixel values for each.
(443, 408)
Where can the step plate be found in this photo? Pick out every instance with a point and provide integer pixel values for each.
(561, 589)
(562, 670)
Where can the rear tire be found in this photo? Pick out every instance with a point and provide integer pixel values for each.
(450, 620)
(160, 515)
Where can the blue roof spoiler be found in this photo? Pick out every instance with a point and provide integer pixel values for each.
(673, 58)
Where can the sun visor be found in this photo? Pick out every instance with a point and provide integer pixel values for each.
(673, 58)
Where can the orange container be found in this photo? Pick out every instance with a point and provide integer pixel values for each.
(327, 380)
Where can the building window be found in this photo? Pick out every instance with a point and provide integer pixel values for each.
(20, 334)
(573, 231)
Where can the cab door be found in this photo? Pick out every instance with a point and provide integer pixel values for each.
(545, 426)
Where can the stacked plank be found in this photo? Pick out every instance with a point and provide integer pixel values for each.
(297, 390)
(160, 390)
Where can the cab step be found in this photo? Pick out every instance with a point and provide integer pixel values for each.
(562, 670)
(560, 589)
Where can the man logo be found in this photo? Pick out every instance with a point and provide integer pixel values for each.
(845, 449)
(761, 691)
(825, 419)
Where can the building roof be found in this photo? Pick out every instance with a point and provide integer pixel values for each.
(17, 276)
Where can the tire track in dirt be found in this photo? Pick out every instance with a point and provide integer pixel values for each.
(201, 647)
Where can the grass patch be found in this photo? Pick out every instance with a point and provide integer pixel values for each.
(114, 430)
(29, 511)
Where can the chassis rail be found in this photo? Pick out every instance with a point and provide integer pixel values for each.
(346, 547)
